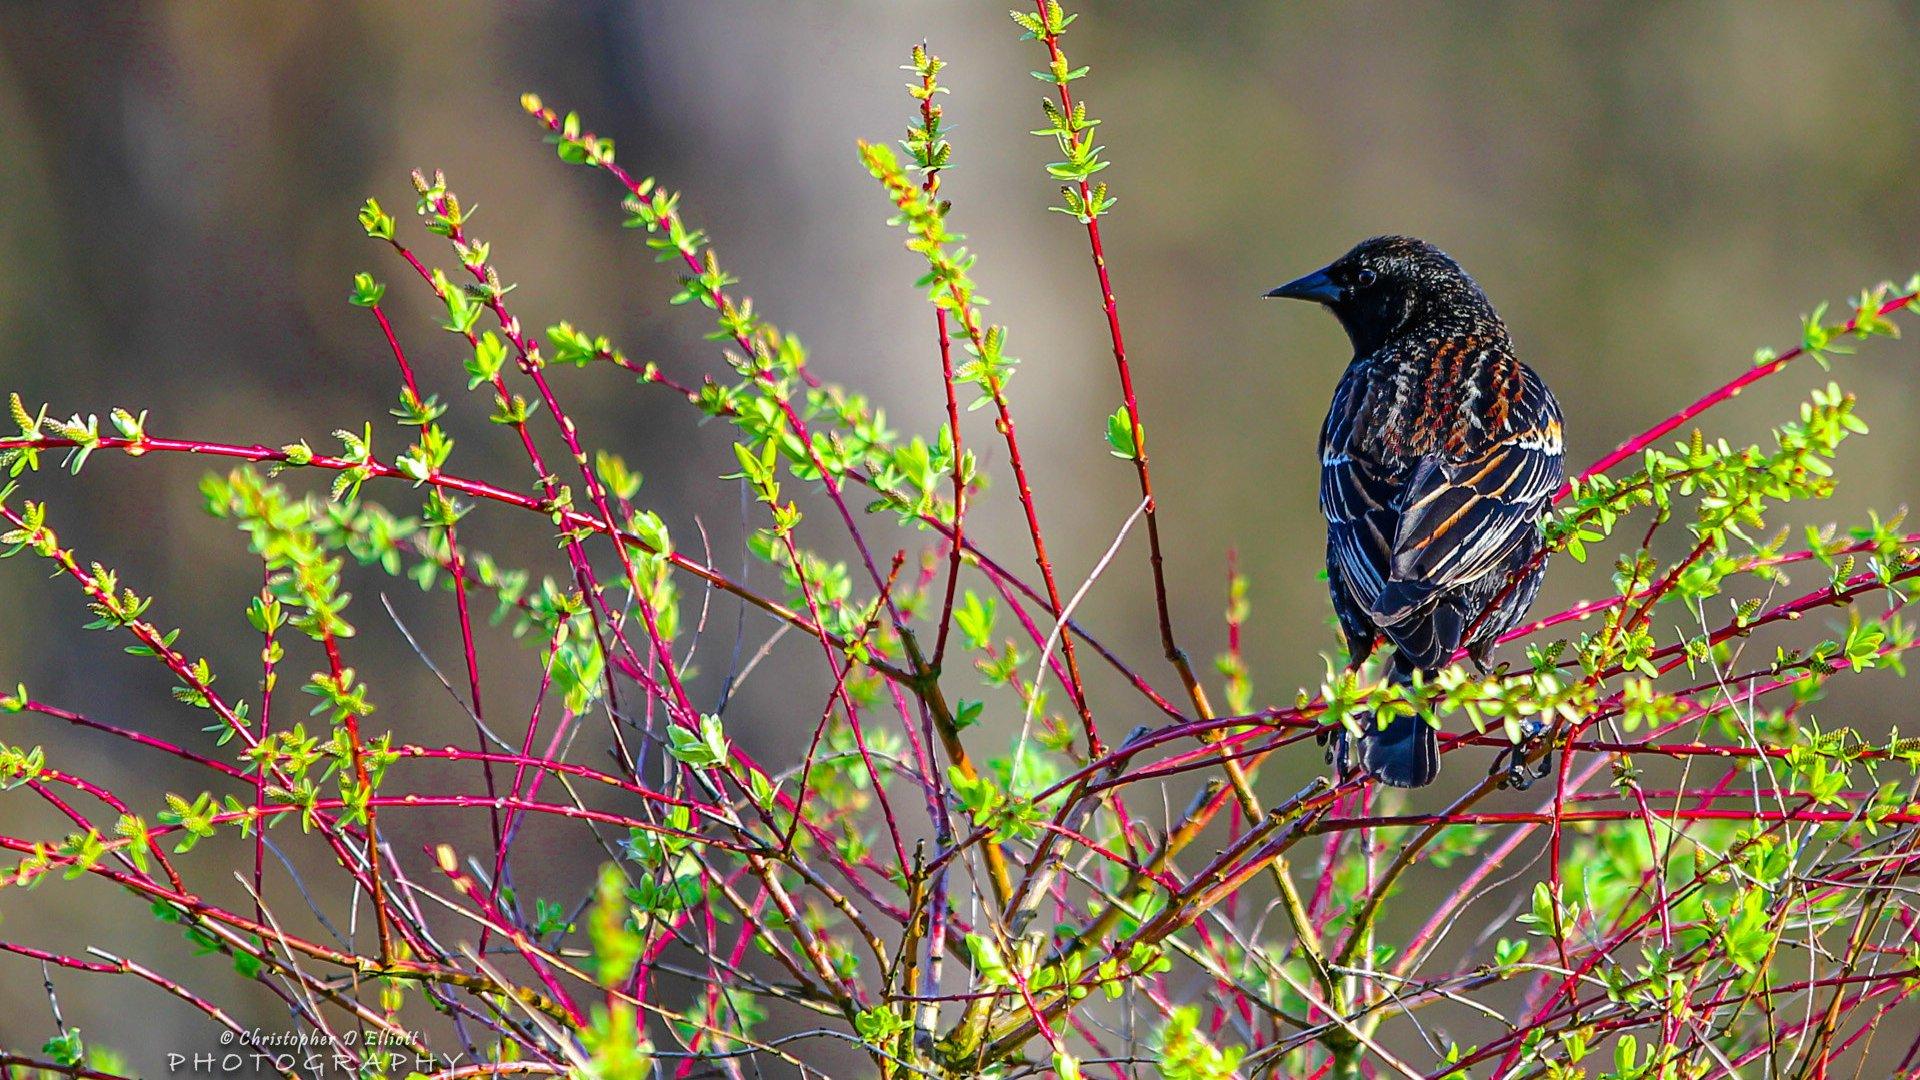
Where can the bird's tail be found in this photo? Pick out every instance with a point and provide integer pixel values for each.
(1405, 753)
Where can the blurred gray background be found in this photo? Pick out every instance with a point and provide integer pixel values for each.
(1648, 194)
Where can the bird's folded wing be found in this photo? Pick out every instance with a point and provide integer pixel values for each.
(1358, 495)
(1461, 519)
(1358, 503)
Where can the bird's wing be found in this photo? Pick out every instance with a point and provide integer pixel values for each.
(1463, 518)
(1357, 495)
(1358, 500)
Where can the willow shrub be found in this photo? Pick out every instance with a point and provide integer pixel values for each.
(1710, 883)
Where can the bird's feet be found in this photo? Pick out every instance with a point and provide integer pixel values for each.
(1513, 760)
(1339, 746)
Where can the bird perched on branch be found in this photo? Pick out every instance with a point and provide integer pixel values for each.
(1439, 459)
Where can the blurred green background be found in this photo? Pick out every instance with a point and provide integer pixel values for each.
(1647, 192)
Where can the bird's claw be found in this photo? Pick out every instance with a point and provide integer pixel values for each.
(1338, 746)
(1513, 760)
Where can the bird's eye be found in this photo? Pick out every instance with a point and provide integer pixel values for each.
(1364, 277)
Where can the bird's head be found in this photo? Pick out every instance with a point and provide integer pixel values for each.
(1389, 286)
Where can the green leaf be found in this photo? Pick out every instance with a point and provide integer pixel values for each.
(703, 749)
(966, 713)
(489, 356)
(366, 291)
(1120, 435)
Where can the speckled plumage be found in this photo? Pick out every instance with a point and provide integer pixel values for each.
(1439, 457)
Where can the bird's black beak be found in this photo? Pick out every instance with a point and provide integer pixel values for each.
(1317, 287)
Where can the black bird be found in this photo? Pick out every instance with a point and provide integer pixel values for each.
(1439, 459)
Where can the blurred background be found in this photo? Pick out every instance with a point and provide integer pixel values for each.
(1647, 193)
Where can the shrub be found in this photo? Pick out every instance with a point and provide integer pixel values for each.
(964, 875)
